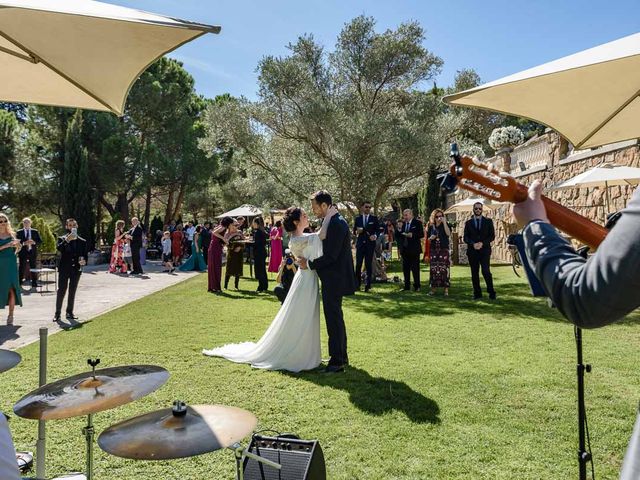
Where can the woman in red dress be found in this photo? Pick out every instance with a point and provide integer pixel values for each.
(176, 245)
(117, 263)
(214, 256)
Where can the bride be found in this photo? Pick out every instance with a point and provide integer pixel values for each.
(292, 341)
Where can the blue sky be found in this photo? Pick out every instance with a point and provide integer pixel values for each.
(496, 38)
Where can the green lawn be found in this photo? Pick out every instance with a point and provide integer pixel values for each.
(438, 388)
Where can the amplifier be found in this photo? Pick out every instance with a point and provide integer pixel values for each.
(300, 459)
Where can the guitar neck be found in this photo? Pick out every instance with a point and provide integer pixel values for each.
(577, 226)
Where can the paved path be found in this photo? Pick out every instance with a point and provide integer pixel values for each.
(98, 292)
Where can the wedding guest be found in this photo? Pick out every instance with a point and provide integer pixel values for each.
(195, 262)
(30, 240)
(260, 253)
(390, 234)
(411, 231)
(176, 244)
(143, 247)
(275, 258)
(235, 248)
(167, 258)
(365, 229)
(285, 276)
(214, 264)
(438, 235)
(9, 282)
(397, 236)
(73, 256)
(126, 254)
(205, 235)
(172, 226)
(189, 232)
(426, 254)
(478, 235)
(117, 263)
(135, 235)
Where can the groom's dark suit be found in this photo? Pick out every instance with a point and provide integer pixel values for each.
(335, 269)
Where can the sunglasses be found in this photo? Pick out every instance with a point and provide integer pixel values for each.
(477, 209)
(3, 221)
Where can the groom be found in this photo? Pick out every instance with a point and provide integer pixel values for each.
(335, 269)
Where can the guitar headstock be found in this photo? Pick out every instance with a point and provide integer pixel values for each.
(486, 180)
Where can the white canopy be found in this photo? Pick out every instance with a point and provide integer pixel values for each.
(467, 204)
(603, 176)
(590, 97)
(81, 53)
(242, 211)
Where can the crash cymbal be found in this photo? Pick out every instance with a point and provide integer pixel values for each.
(181, 431)
(84, 394)
(8, 359)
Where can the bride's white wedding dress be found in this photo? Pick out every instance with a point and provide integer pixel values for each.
(292, 341)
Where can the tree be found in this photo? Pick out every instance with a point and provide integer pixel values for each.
(353, 118)
(77, 196)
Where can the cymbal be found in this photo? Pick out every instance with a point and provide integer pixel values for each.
(83, 394)
(168, 433)
(8, 359)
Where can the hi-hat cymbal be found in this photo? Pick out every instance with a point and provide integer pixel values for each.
(176, 433)
(83, 394)
(8, 359)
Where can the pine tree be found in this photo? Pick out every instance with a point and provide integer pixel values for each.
(77, 196)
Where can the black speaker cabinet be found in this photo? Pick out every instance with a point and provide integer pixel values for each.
(300, 459)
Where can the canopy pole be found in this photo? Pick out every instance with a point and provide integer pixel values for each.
(28, 58)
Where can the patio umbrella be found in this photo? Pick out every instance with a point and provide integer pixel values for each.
(242, 211)
(467, 204)
(82, 54)
(590, 97)
(603, 176)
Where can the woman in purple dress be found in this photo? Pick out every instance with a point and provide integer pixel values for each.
(275, 258)
(214, 264)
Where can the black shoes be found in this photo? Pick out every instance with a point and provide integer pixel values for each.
(71, 316)
(56, 318)
(334, 369)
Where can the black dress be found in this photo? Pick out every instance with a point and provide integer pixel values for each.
(260, 258)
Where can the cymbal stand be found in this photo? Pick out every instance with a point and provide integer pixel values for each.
(89, 431)
(241, 453)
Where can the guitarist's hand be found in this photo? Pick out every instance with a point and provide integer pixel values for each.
(532, 208)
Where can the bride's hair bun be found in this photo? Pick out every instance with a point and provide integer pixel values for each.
(292, 215)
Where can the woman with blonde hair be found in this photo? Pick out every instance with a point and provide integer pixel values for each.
(117, 263)
(9, 283)
(438, 233)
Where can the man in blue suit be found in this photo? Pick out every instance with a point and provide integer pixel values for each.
(366, 229)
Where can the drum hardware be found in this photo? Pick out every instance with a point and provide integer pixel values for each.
(89, 393)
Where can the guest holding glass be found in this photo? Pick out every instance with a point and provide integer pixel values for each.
(260, 253)
(30, 240)
(275, 258)
(235, 248)
(214, 263)
(9, 283)
(438, 233)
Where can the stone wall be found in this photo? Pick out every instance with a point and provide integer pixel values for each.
(549, 157)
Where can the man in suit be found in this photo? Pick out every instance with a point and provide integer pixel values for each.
(30, 240)
(366, 229)
(205, 235)
(73, 256)
(478, 235)
(135, 236)
(410, 234)
(335, 269)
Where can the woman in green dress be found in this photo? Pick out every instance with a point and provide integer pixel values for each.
(9, 283)
(196, 260)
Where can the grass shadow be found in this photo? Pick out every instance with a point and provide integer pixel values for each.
(376, 395)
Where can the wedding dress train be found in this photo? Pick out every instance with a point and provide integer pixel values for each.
(292, 341)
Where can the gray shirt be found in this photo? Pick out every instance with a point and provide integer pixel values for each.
(595, 292)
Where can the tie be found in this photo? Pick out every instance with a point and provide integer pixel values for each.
(478, 223)
(366, 217)
(29, 238)
(406, 228)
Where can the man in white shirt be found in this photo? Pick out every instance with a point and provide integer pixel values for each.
(190, 231)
